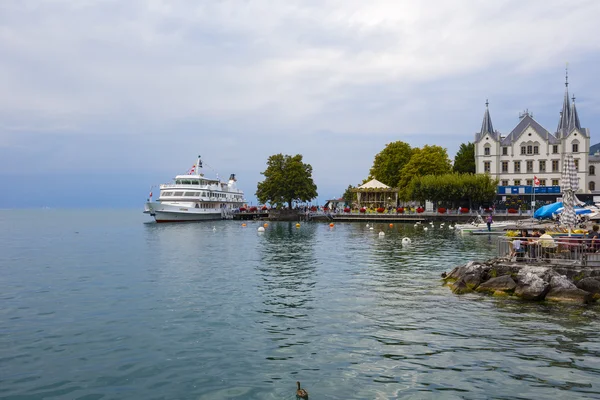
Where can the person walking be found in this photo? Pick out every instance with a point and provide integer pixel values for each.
(489, 222)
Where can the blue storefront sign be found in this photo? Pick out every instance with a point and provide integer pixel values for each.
(528, 190)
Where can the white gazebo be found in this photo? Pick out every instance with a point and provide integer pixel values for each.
(375, 194)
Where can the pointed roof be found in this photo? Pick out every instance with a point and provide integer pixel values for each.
(486, 126)
(374, 184)
(574, 120)
(525, 122)
(565, 114)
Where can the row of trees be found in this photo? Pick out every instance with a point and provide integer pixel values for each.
(418, 173)
(398, 163)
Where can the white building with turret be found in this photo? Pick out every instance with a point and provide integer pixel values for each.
(530, 151)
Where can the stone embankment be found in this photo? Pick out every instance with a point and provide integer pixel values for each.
(529, 282)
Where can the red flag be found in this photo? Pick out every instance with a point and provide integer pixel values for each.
(150, 194)
(536, 181)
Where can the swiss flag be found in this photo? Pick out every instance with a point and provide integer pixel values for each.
(536, 181)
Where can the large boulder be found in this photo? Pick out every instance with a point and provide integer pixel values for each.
(460, 287)
(500, 284)
(531, 287)
(590, 285)
(569, 295)
(561, 282)
(545, 273)
(471, 274)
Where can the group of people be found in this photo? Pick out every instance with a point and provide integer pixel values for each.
(531, 244)
(541, 244)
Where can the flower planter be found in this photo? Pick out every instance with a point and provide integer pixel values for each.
(242, 209)
(380, 210)
(347, 209)
(512, 211)
(464, 210)
(253, 209)
(313, 208)
(400, 210)
(441, 210)
(363, 210)
(420, 210)
(264, 208)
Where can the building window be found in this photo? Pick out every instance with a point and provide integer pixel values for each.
(554, 182)
(592, 186)
(487, 166)
(523, 150)
(505, 151)
(505, 166)
(542, 182)
(536, 149)
(576, 161)
(529, 165)
(486, 151)
(542, 165)
(554, 165)
(517, 166)
(592, 170)
(529, 182)
(517, 182)
(575, 148)
(555, 149)
(529, 149)
(505, 183)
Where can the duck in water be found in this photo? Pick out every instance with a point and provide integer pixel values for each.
(301, 393)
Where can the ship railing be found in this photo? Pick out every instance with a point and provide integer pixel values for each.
(562, 250)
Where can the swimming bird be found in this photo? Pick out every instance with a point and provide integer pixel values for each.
(406, 240)
(301, 393)
(425, 228)
(214, 228)
(381, 234)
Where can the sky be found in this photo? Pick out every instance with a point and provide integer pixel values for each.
(100, 100)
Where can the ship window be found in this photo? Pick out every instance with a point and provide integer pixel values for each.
(178, 181)
(189, 194)
(178, 194)
(167, 194)
(185, 182)
(194, 182)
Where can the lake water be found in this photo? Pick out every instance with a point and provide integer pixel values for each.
(98, 304)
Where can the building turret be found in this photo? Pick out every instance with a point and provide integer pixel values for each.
(486, 125)
(574, 117)
(565, 114)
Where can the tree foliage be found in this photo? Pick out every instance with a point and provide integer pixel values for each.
(287, 179)
(453, 189)
(464, 160)
(389, 162)
(350, 196)
(430, 160)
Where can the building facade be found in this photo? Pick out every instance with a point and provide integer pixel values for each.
(531, 152)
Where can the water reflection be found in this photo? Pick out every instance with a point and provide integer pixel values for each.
(286, 272)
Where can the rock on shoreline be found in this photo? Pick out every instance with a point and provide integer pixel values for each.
(572, 284)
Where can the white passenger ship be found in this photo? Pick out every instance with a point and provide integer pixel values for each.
(193, 197)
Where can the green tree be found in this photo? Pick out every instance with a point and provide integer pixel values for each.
(453, 189)
(430, 160)
(287, 179)
(350, 196)
(389, 162)
(464, 160)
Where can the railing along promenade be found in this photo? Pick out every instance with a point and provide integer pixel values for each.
(431, 215)
(573, 250)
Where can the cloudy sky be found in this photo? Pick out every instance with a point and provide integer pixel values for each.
(100, 100)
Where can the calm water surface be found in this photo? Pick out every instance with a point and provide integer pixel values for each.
(101, 305)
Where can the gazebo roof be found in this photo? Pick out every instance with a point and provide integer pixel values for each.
(374, 184)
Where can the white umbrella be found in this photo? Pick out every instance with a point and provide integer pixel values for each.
(569, 185)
